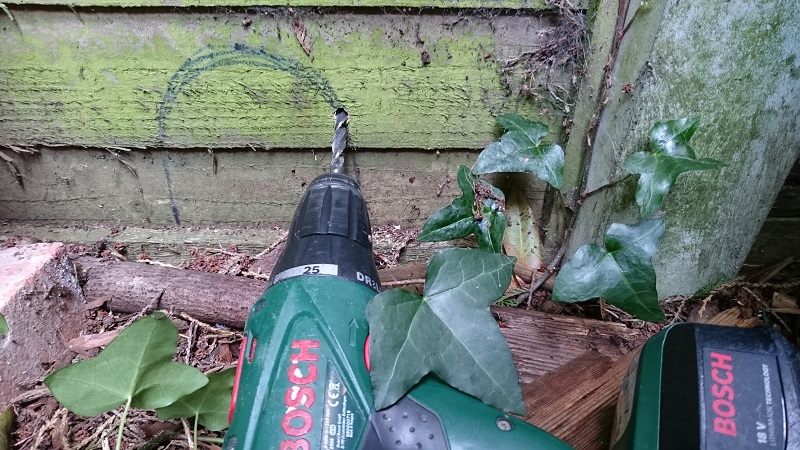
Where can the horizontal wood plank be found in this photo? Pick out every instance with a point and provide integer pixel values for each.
(157, 79)
(543, 342)
(156, 188)
(461, 4)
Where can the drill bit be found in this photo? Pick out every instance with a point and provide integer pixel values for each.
(339, 139)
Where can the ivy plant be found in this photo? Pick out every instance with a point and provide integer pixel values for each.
(3, 326)
(479, 211)
(448, 332)
(522, 149)
(136, 369)
(671, 156)
(208, 406)
(622, 273)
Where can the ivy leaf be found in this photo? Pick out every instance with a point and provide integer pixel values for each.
(622, 273)
(3, 326)
(479, 211)
(448, 332)
(521, 149)
(136, 367)
(671, 156)
(208, 405)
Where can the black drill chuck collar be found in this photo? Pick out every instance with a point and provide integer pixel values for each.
(331, 226)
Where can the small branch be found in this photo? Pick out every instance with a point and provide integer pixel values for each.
(113, 150)
(550, 268)
(8, 13)
(583, 196)
(273, 246)
(403, 282)
(161, 438)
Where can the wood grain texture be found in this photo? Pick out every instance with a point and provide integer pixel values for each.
(543, 342)
(164, 79)
(508, 4)
(234, 187)
(558, 403)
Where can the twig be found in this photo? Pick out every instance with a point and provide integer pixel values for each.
(29, 396)
(97, 432)
(8, 13)
(113, 150)
(403, 282)
(222, 332)
(50, 424)
(22, 149)
(161, 438)
(776, 269)
(768, 308)
(550, 268)
(583, 196)
(11, 166)
(188, 433)
(273, 246)
(156, 263)
(256, 275)
(189, 343)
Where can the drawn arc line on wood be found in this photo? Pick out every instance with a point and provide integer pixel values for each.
(208, 59)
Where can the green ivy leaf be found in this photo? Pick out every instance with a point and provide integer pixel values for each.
(449, 332)
(622, 273)
(136, 367)
(208, 405)
(671, 156)
(3, 326)
(479, 211)
(521, 149)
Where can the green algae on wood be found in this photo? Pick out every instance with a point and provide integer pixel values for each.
(101, 79)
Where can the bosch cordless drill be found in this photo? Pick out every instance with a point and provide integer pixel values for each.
(303, 377)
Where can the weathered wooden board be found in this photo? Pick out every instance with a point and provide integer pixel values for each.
(234, 187)
(510, 4)
(778, 239)
(543, 342)
(169, 79)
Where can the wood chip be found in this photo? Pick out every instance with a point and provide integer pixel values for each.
(83, 344)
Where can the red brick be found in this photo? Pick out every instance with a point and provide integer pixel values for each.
(43, 304)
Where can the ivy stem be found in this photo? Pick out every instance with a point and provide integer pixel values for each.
(194, 441)
(583, 196)
(212, 440)
(122, 424)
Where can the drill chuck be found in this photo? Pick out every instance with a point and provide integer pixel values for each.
(330, 234)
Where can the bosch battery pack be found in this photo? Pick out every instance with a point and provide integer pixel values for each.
(697, 386)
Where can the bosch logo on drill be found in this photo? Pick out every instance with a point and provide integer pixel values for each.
(298, 421)
(723, 392)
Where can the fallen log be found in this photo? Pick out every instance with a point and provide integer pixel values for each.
(132, 287)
